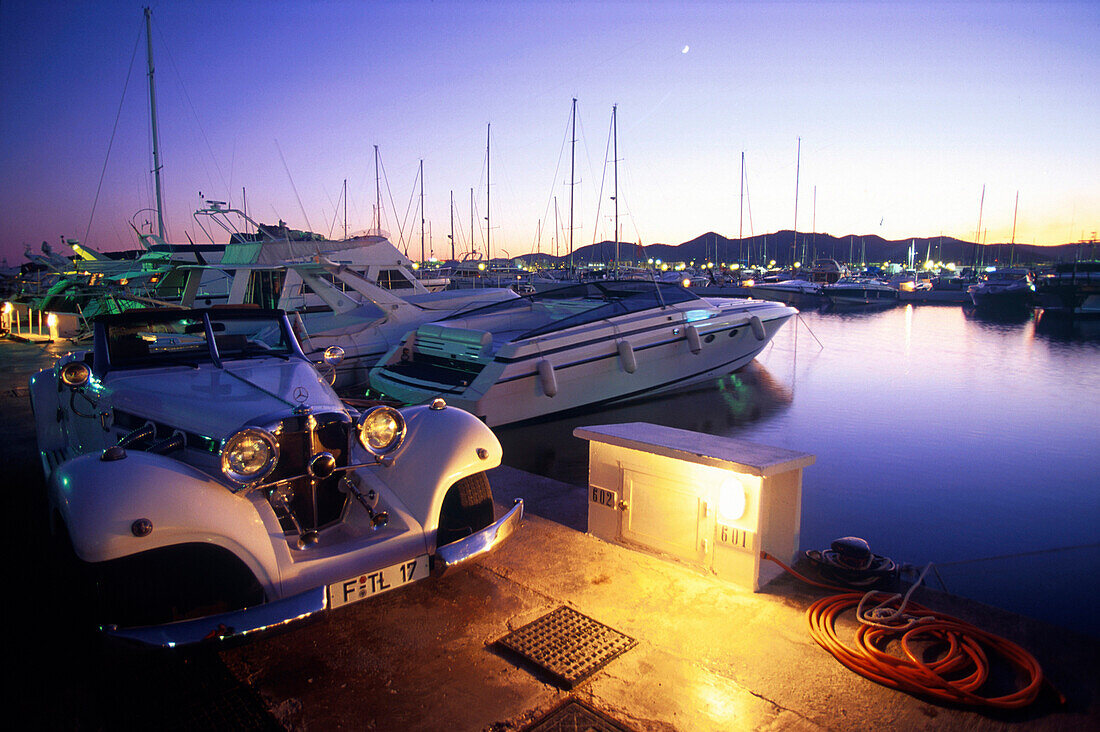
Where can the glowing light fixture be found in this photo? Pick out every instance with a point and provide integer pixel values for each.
(710, 501)
(731, 500)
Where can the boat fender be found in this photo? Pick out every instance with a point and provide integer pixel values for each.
(692, 335)
(547, 378)
(626, 357)
(757, 327)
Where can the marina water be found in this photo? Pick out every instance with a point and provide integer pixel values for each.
(941, 436)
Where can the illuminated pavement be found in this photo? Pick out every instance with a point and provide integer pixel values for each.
(708, 655)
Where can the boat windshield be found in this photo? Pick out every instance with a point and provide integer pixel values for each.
(146, 339)
(566, 307)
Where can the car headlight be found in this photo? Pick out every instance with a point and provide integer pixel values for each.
(75, 374)
(381, 430)
(249, 455)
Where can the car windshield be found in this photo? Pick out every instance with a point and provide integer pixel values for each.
(569, 306)
(170, 337)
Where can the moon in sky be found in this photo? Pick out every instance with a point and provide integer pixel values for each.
(686, 49)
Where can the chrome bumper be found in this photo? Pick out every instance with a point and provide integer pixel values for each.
(290, 609)
(226, 625)
(482, 542)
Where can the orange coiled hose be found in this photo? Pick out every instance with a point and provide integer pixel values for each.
(955, 676)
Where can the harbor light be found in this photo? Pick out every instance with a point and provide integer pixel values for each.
(797, 265)
(712, 502)
(416, 265)
(51, 324)
(481, 266)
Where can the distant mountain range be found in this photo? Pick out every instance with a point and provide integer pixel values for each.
(780, 246)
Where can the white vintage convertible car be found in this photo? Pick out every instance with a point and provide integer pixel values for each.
(211, 484)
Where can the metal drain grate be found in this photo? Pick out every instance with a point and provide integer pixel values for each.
(568, 645)
(576, 716)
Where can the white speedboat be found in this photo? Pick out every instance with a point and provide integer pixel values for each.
(576, 346)
(860, 291)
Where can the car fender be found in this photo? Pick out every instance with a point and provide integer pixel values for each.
(45, 403)
(100, 500)
(441, 446)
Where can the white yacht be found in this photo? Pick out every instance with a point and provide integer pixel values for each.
(575, 346)
(1010, 288)
(794, 292)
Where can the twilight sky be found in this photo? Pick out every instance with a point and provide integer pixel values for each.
(905, 111)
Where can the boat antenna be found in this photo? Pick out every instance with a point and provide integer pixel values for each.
(294, 187)
(153, 116)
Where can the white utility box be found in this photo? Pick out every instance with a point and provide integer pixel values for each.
(715, 502)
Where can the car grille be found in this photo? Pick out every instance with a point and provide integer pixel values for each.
(316, 502)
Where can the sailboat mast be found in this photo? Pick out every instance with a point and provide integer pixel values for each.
(452, 236)
(813, 228)
(421, 211)
(572, 183)
(978, 233)
(1012, 251)
(345, 208)
(377, 196)
(615, 156)
(741, 219)
(797, 170)
(153, 116)
(488, 223)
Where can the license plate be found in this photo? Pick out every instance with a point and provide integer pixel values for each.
(374, 583)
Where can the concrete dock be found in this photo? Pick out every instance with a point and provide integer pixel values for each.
(707, 655)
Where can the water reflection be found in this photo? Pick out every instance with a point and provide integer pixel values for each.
(941, 434)
(721, 406)
(1059, 328)
(997, 319)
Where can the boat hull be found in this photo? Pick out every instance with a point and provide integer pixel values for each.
(599, 363)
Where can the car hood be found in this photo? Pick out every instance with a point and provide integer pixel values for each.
(216, 402)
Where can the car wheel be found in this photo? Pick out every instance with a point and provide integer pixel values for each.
(467, 507)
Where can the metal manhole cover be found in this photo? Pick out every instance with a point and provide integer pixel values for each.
(568, 645)
(576, 716)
